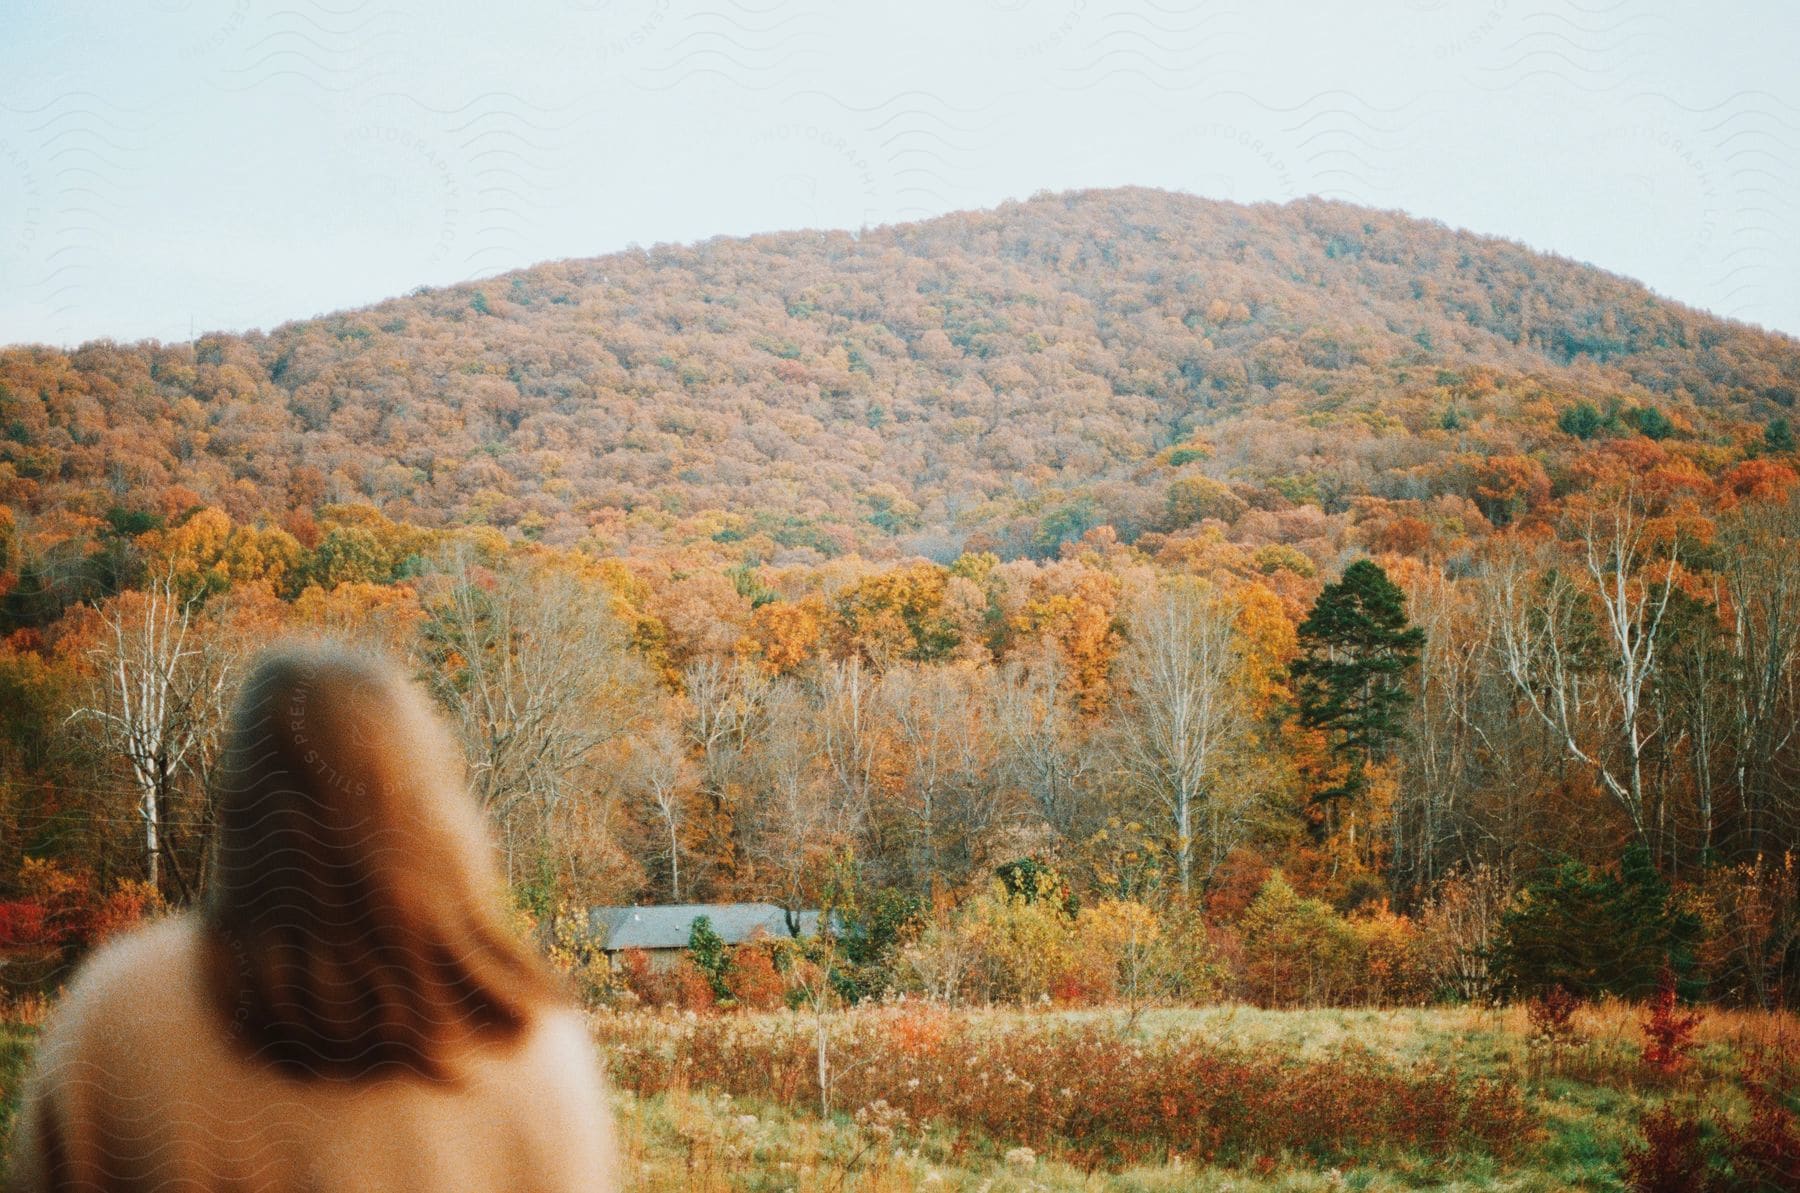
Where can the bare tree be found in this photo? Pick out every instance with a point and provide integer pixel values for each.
(1183, 715)
(158, 701)
(1459, 927)
(1694, 696)
(724, 706)
(942, 958)
(791, 827)
(1041, 742)
(1442, 757)
(944, 805)
(1583, 645)
(848, 731)
(538, 674)
(661, 775)
(724, 700)
(1761, 550)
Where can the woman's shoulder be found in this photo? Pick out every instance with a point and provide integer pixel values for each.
(565, 1029)
(555, 1094)
(142, 976)
(560, 1039)
(127, 964)
(556, 1054)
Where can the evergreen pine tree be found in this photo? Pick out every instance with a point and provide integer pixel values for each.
(1596, 932)
(707, 949)
(1356, 648)
(1778, 436)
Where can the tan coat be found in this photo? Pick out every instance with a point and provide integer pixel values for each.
(138, 1087)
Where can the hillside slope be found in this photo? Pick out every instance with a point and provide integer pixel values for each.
(1002, 379)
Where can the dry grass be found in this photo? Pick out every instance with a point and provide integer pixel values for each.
(1079, 1088)
(1585, 1105)
(711, 1143)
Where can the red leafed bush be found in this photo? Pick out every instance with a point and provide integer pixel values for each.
(62, 909)
(681, 986)
(130, 904)
(751, 977)
(689, 987)
(22, 925)
(1765, 1154)
(1677, 1156)
(639, 977)
(1670, 1159)
(65, 898)
(1079, 988)
(1552, 1016)
(1080, 1091)
(1668, 1030)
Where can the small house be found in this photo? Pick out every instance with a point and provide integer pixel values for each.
(663, 931)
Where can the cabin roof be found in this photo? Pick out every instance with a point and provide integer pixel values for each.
(668, 926)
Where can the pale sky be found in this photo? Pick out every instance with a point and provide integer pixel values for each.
(179, 166)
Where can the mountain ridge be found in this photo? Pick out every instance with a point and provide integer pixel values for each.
(999, 379)
(634, 248)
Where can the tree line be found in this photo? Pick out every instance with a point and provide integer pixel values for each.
(1575, 746)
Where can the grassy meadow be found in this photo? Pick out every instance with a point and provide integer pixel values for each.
(1214, 1098)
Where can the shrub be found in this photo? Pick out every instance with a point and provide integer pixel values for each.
(25, 1010)
(22, 925)
(130, 904)
(62, 909)
(691, 988)
(1031, 880)
(998, 947)
(1123, 952)
(1668, 1031)
(64, 897)
(1458, 929)
(1297, 952)
(1198, 969)
(1670, 1159)
(1678, 1154)
(1765, 1154)
(1020, 945)
(1082, 1092)
(941, 963)
(1552, 1017)
(1750, 923)
(572, 950)
(1596, 932)
(807, 986)
(1389, 946)
(1118, 953)
(641, 980)
(706, 949)
(752, 979)
(1236, 884)
(682, 986)
(872, 935)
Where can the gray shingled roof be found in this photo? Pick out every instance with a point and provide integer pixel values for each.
(667, 927)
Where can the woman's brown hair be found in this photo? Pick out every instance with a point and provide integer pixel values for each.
(354, 914)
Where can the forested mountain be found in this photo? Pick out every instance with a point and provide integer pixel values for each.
(1257, 573)
(995, 380)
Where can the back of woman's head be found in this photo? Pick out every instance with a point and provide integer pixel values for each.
(354, 912)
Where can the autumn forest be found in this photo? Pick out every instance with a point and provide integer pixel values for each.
(1396, 613)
